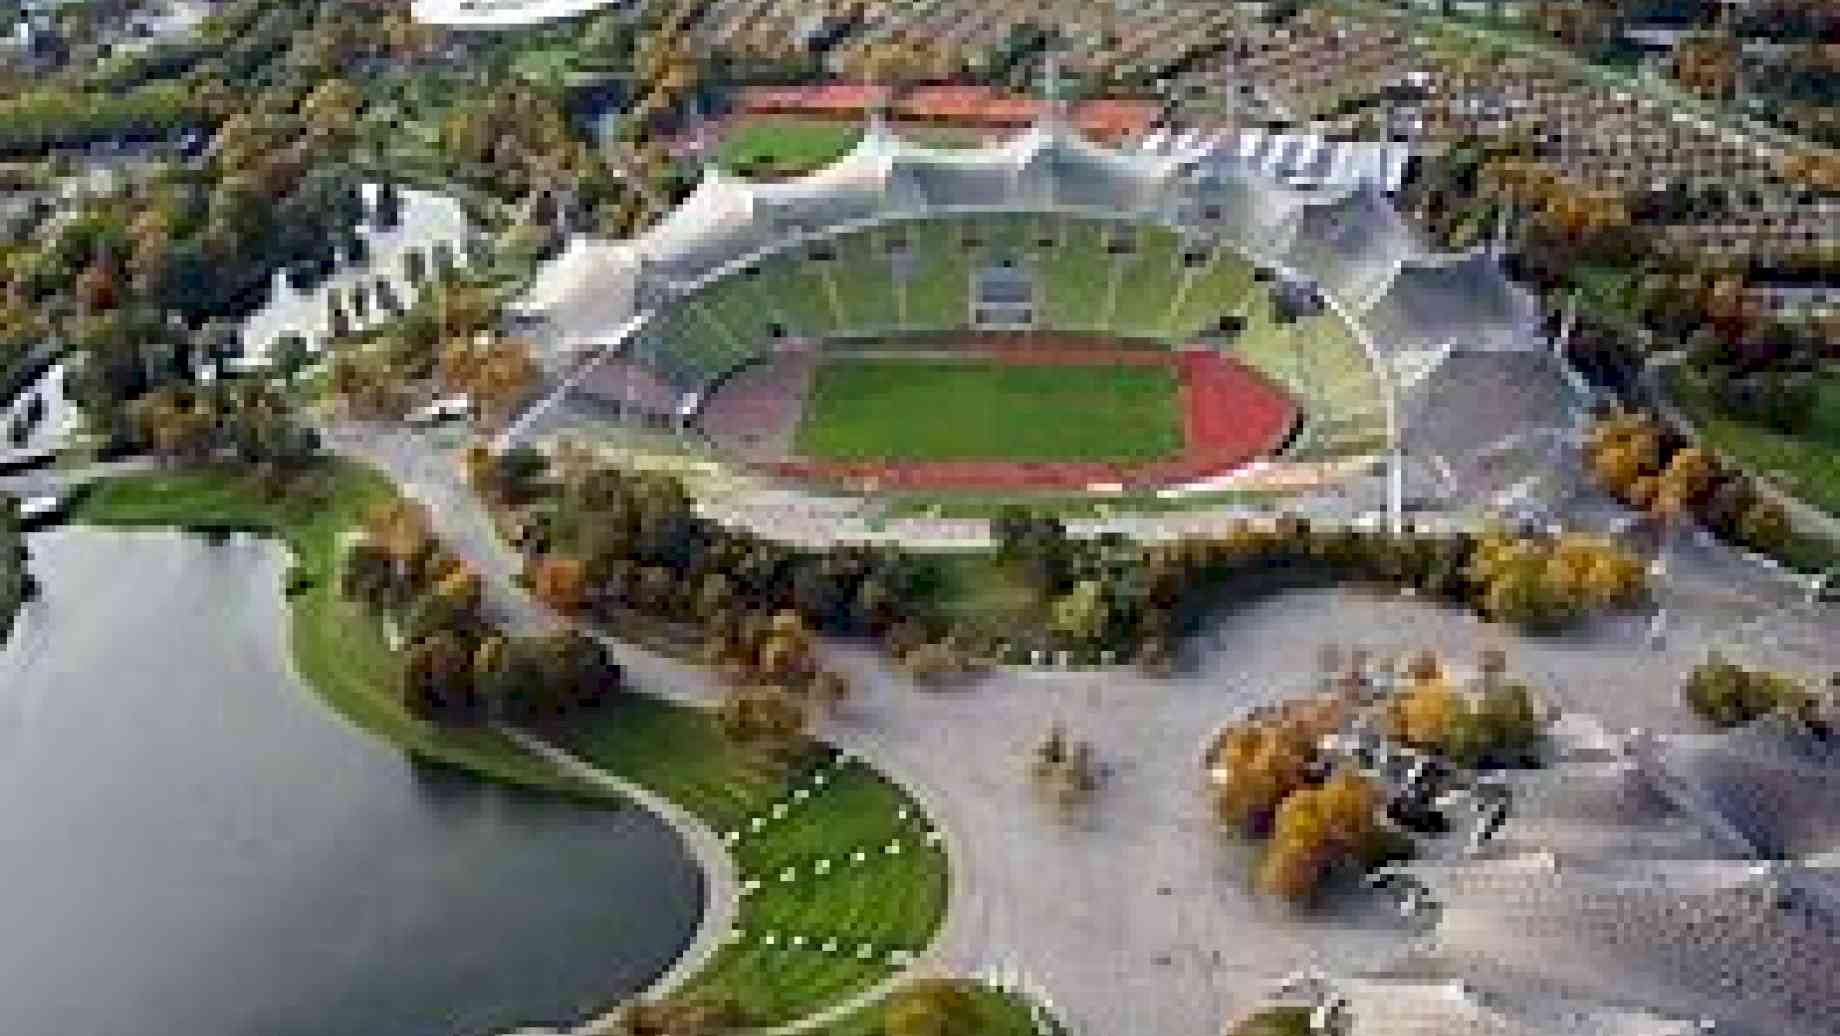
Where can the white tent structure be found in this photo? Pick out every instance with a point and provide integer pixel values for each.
(604, 299)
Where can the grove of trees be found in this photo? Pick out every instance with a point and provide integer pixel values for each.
(1727, 695)
(1645, 465)
(456, 667)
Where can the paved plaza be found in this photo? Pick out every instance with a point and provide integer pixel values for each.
(1135, 912)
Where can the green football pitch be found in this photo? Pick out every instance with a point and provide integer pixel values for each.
(943, 410)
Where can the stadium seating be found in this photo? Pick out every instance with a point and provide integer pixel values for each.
(1218, 289)
(797, 289)
(938, 289)
(1007, 235)
(1079, 275)
(1318, 361)
(738, 304)
(865, 283)
(1147, 285)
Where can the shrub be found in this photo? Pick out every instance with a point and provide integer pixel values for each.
(1727, 695)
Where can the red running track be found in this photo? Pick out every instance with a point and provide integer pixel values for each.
(1231, 415)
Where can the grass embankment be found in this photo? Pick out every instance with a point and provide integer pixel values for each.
(980, 410)
(777, 146)
(889, 902)
(990, 1013)
(338, 647)
(1806, 464)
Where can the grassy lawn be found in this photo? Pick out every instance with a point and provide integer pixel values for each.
(888, 902)
(948, 410)
(993, 1013)
(784, 145)
(1806, 464)
(976, 590)
(338, 647)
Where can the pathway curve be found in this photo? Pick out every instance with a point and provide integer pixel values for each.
(721, 886)
(1134, 913)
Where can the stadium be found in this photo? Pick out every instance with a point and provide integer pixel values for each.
(1045, 314)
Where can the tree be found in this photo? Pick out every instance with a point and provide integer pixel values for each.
(930, 1007)
(1257, 764)
(1765, 527)
(543, 677)
(1726, 694)
(438, 678)
(330, 112)
(1083, 614)
(560, 582)
(1316, 828)
(1424, 715)
(763, 715)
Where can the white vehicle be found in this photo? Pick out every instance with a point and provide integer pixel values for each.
(446, 408)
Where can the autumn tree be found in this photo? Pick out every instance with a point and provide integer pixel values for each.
(930, 1007)
(559, 582)
(1257, 763)
(1315, 829)
(437, 678)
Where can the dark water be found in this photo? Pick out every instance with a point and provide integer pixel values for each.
(190, 843)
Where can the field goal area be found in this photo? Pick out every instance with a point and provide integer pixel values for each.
(999, 412)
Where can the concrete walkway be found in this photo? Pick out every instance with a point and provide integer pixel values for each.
(721, 887)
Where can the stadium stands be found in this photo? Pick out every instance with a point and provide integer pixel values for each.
(938, 287)
(864, 277)
(796, 288)
(1079, 274)
(1147, 283)
(1210, 292)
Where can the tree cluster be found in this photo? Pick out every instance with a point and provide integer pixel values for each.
(1258, 763)
(772, 667)
(1316, 831)
(1493, 725)
(1527, 580)
(247, 422)
(456, 667)
(1727, 695)
(679, 1016)
(1646, 466)
(602, 544)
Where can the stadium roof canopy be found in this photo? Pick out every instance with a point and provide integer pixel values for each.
(1348, 240)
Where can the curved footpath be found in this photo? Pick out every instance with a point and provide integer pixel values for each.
(721, 888)
(1134, 912)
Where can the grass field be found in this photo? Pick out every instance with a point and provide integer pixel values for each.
(976, 410)
(784, 145)
(888, 902)
(1805, 464)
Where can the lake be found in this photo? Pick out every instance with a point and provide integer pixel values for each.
(190, 842)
